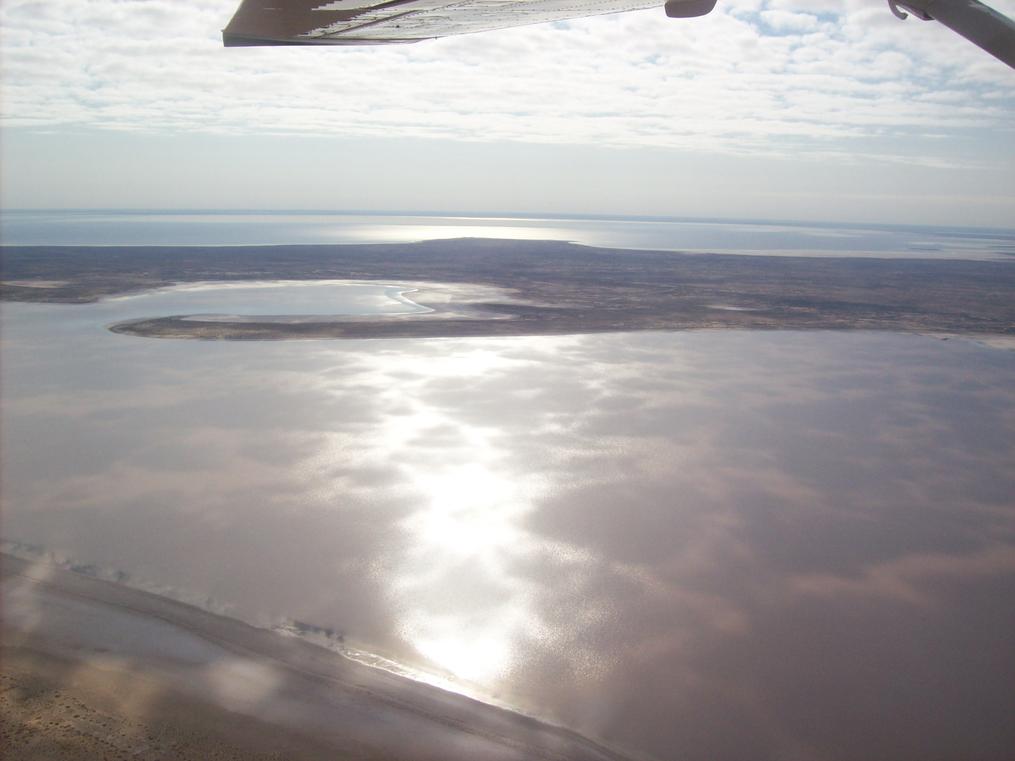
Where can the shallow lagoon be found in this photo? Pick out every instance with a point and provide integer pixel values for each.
(694, 545)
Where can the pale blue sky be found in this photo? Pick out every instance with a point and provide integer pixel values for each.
(812, 110)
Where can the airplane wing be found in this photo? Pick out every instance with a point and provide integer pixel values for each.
(358, 22)
(370, 22)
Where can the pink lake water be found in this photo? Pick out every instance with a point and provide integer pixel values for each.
(699, 545)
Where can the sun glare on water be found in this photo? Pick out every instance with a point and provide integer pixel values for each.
(462, 609)
(456, 582)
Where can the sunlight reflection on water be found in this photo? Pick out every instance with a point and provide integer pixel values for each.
(137, 228)
(412, 233)
(731, 544)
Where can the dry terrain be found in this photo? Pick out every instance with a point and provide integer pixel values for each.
(547, 287)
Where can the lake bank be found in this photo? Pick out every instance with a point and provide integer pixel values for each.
(119, 670)
(503, 287)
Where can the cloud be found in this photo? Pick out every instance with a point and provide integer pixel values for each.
(785, 21)
(752, 77)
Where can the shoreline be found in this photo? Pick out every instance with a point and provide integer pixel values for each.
(289, 695)
(480, 287)
(444, 309)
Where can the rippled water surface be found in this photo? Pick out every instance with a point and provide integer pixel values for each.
(701, 545)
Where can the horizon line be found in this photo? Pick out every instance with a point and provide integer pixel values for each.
(495, 214)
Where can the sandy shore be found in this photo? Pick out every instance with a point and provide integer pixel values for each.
(93, 670)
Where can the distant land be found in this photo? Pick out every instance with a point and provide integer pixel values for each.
(545, 287)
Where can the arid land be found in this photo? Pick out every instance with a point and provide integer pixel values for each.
(539, 287)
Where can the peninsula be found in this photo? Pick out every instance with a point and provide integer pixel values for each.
(508, 287)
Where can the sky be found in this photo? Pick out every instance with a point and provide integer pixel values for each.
(787, 109)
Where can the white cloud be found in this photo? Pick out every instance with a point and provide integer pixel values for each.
(833, 74)
(785, 21)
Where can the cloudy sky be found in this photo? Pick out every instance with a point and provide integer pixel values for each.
(789, 109)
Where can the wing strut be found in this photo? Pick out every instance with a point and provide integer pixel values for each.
(978, 23)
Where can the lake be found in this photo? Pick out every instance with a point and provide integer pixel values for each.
(700, 545)
(265, 300)
(137, 228)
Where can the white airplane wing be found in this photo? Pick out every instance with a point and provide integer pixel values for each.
(369, 22)
(355, 22)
